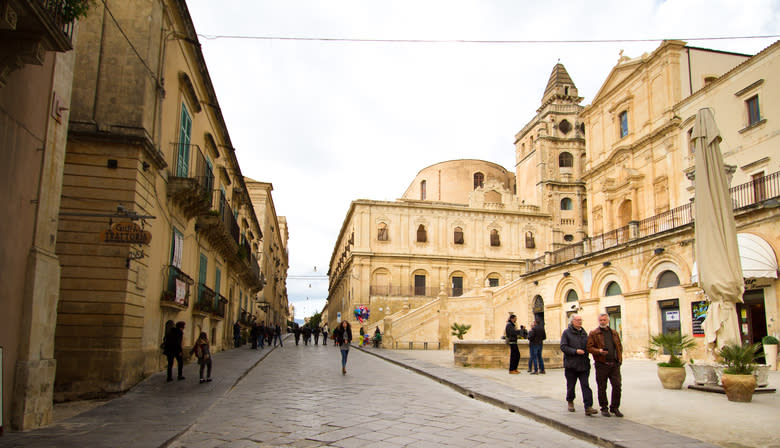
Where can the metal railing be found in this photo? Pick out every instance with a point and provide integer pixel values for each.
(667, 220)
(173, 274)
(610, 239)
(755, 191)
(206, 298)
(417, 345)
(567, 253)
(201, 171)
(56, 12)
(226, 215)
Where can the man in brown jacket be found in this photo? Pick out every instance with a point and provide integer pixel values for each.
(604, 344)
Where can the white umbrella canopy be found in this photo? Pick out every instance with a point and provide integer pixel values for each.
(717, 252)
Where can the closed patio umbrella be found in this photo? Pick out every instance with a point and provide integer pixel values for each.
(717, 252)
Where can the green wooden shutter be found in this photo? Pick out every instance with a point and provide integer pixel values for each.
(185, 132)
(202, 274)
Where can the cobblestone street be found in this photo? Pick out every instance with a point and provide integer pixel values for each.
(298, 397)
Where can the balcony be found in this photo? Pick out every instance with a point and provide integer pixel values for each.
(207, 302)
(219, 226)
(191, 181)
(176, 294)
(743, 197)
(30, 28)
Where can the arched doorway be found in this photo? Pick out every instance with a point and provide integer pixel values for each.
(538, 309)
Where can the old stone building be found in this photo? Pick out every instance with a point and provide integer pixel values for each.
(611, 185)
(157, 221)
(36, 69)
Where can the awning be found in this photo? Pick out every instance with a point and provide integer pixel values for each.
(756, 255)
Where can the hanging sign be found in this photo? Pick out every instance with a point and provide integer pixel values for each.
(127, 233)
(698, 314)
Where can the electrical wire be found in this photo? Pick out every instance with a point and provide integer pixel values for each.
(468, 41)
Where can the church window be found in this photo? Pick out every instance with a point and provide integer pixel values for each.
(623, 121)
(422, 234)
(564, 126)
(423, 188)
(529, 240)
(568, 238)
(381, 232)
(479, 180)
(495, 240)
(565, 160)
(458, 235)
(566, 204)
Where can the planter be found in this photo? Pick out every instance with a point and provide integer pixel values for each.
(770, 354)
(671, 377)
(739, 387)
(704, 374)
(761, 372)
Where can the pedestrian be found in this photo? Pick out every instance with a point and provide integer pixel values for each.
(237, 334)
(261, 333)
(362, 335)
(306, 334)
(315, 331)
(511, 339)
(173, 349)
(377, 337)
(536, 338)
(604, 344)
(343, 337)
(278, 335)
(254, 335)
(324, 335)
(522, 333)
(576, 365)
(203, 353)
(297, 333)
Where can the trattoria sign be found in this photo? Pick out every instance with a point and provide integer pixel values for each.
(125, 232)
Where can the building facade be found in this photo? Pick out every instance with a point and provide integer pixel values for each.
(36, 69)
(612, 187)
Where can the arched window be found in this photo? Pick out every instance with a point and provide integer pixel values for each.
(529, 240)
(495, 240)
(422, 234)
(566, 204)
(667, 279)
(565, 160)
(381, 234)
(458, 236)
(422, 190)
(571, 296)
(479, 180)
(613, 289)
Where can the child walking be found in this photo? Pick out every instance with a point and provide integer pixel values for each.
(203, 353)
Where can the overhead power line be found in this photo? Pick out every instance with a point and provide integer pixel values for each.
(467, 41)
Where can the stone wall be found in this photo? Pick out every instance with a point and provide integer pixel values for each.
(493, 354)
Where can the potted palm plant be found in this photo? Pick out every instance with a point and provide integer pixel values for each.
(672, 372)
(770, 351)
(738, 380)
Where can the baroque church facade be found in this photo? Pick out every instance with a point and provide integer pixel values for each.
(597, 217)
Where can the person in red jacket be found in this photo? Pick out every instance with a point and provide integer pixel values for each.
(604, 344)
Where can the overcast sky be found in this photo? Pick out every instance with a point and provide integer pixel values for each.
(328, 122)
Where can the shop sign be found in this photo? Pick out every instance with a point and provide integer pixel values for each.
(127, 233)
(698, 314)
(758, 283)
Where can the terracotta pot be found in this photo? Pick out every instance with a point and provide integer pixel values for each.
(739, 387)
(671, 377)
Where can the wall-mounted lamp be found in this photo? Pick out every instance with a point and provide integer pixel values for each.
(145, 166)
(607, 264)
(658, 251)
(566, 274)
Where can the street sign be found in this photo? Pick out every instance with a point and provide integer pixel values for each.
(127, 233)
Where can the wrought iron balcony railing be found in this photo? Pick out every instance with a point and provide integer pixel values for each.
(177, 290)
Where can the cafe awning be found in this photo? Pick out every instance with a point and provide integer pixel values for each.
(757, 257)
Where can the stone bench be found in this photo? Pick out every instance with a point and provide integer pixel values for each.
(495, 354)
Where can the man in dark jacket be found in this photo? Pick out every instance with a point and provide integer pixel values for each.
(576, 363)
(604, 344)
(536, 338)
(511, 339)
(173, 349)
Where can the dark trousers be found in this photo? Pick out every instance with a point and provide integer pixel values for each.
(297, 338)
(206, 363)
(179, 363)
(514, 356)
(611, 372)
(324, 339)
(278, 337)
(571, 382)
(536, 357)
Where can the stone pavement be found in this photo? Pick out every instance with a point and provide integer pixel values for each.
(296, 396)
(704, 416)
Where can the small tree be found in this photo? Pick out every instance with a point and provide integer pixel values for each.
(673, 343)
(460, 330)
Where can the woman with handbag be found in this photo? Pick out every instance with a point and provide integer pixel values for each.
(203, 353)
(343, 337)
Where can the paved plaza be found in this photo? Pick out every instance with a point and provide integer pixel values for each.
(296, 397)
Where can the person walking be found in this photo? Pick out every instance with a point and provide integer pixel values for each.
(511, 339)
(343, 337)
(377, 337)
(237, 334)
(576, 365)
(306, 334)
(324, 335)
(254, 335)
(203, 353)
(604, 344)
(297, 333)
(278, 335)
(536, 338)
(315, 331)
(261, 333)
(173, 349)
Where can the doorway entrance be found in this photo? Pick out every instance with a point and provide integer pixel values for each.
(752, 318)
(538, 309)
